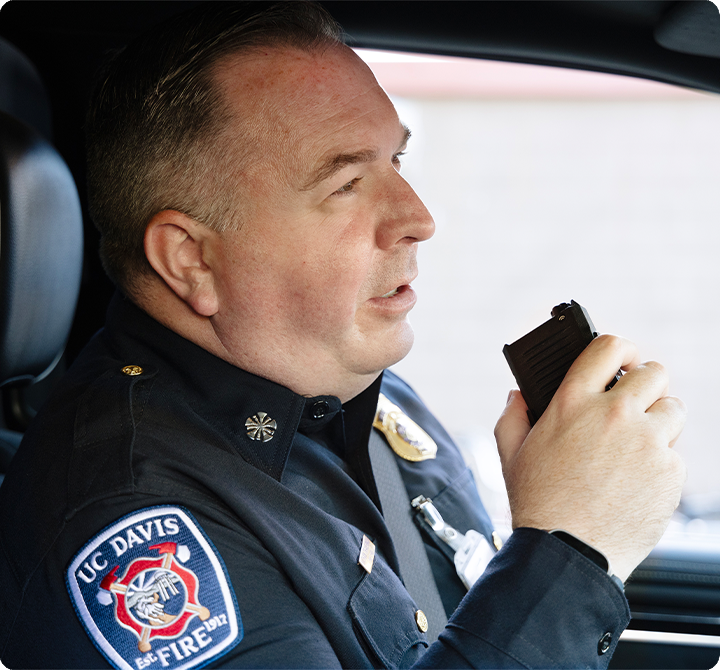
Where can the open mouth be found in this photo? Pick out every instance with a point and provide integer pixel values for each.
(390, 294)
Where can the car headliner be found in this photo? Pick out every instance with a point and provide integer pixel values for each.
(672, 41)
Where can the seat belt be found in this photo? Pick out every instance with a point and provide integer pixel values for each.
(415, 567)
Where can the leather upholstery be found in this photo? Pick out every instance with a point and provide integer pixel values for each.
(41, 241)
(22, 93)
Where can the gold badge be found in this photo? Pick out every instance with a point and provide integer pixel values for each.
(406, 438)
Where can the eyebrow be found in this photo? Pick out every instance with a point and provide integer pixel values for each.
(333, 164)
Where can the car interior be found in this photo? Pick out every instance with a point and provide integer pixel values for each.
(53, 290)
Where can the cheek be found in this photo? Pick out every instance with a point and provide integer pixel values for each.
(323, 296)
(308, 284)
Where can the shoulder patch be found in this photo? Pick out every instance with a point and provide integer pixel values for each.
(152, 592)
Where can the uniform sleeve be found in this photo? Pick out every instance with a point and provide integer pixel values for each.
(278, 628)
(540, 604)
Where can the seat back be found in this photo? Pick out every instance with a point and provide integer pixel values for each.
(22, 92)
(40, 253)
(41, 240)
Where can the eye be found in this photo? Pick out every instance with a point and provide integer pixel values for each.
(347, 188)
(396, 159)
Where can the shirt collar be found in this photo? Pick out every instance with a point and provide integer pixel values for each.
(259, 416)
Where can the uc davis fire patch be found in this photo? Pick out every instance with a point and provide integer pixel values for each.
(152, 592)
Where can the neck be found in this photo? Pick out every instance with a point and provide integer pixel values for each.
(283, 366)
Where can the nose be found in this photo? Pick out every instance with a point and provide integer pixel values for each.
(404, 218)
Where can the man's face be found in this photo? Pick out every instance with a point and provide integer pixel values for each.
(314, 287)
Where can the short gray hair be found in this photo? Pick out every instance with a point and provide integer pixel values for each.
(156, 121)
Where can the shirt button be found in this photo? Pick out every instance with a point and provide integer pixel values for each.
(421, 621)
(320, 409)
(604, 644)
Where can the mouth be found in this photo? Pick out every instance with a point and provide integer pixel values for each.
(398, 301)
(401, 288)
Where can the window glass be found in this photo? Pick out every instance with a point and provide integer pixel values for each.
(547, 185)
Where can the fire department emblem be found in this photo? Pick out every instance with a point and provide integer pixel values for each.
(152, 592)
(147, 588)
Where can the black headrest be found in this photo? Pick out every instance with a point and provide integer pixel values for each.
(22, 93)
(41, 241)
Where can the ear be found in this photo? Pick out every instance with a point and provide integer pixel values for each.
(176, 246)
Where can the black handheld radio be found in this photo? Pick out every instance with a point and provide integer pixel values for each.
(540, 360)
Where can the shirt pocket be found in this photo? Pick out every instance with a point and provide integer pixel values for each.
(383, 614)
(460, 507)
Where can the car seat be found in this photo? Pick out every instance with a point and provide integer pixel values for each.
(41, 241)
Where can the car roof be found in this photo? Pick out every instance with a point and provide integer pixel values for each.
(671, 41)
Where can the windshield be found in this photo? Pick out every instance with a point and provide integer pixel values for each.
(549, 185)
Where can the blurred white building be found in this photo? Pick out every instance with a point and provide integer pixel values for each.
(548, 185)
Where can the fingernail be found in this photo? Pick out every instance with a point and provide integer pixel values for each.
(509, 398)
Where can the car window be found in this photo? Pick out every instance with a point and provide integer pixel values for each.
(548, 185)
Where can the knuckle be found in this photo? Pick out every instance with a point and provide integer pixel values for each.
(655, 367)
(678, 404)
(608, 341)
(673, 411)
(566, 401)
(621, 409)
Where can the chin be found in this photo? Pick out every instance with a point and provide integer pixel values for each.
(387, 351)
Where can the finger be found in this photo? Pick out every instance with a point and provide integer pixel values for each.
(512, 427)
(595, 367)
(645, 383)
(669, 414)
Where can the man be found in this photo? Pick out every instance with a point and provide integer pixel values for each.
(201, 490)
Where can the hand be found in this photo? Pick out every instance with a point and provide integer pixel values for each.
(598, 464)
(149, 608)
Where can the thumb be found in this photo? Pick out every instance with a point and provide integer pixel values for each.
(512, 428)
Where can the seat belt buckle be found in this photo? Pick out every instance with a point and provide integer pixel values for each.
(472, 550)
(472, 558)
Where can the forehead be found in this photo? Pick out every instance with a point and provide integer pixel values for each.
(286, 97)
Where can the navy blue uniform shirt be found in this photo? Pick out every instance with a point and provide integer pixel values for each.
(142, 526)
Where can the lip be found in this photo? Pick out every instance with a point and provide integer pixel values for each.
(403, 301)
(402, 284)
